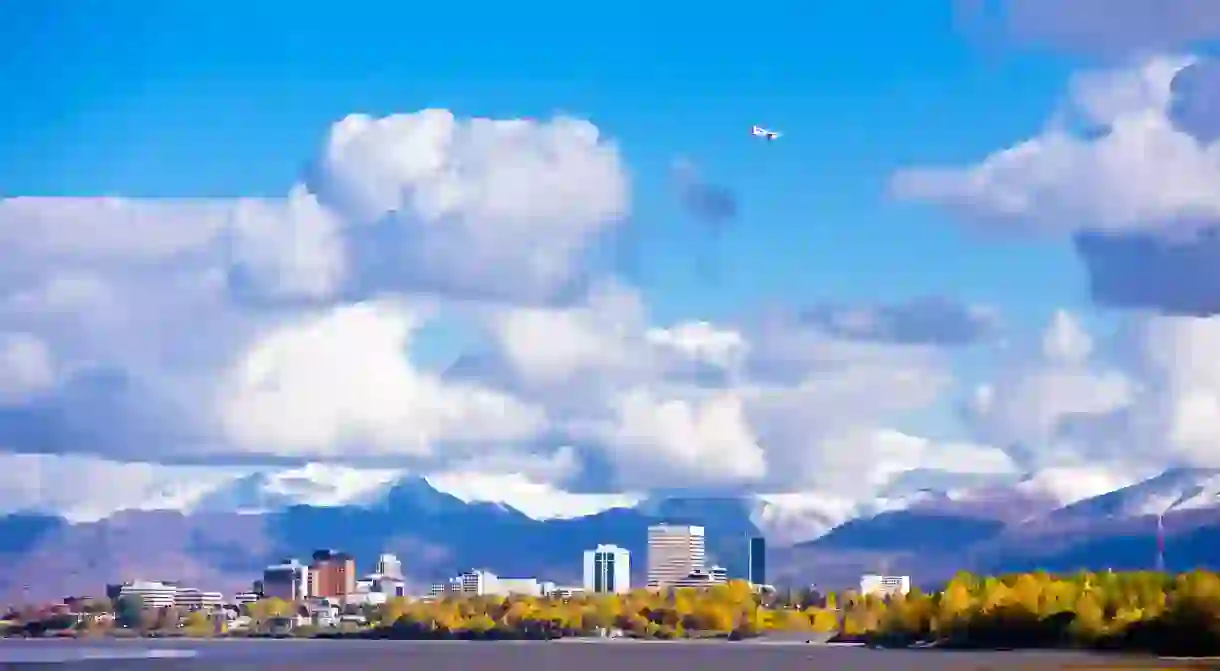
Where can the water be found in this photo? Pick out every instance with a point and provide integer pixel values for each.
(307, 655)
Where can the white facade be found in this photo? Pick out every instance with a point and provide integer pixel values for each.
(884, 585)
(246, 597)
(152, 593)
(194, 599)
(674, 552)
(479, 582)
(716, 575)
(563, 592)
(156, 594)
(607, 570)
(389, 566)
(518, 587)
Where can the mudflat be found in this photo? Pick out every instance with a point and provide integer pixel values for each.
(304, 655)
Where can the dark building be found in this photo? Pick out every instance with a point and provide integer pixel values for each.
(758, 560)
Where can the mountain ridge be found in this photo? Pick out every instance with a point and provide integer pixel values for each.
(829, 540)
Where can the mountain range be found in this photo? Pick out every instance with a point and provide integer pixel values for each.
(927, 525)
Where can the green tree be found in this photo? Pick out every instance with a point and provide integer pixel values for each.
(128, 610)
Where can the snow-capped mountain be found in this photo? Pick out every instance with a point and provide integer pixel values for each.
(787, 518)
(1175, 490)
(222, 530)
(323, 485)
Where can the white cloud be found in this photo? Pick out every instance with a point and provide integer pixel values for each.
(85, 488)
(1031, 401)
(284, 327)
(1156, 403)
(26, 367)
(491, 207)
(1140, 174)
(659, 441)
(340, 383)
(292, 247)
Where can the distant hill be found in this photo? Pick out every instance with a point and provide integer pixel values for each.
(225, 540)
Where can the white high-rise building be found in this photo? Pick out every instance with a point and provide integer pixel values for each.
(607, 570)
(479, 583)
(389, 566)
(674, 552)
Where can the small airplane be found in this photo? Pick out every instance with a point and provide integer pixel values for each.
(759, 131)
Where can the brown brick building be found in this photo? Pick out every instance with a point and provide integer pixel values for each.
(332, 574)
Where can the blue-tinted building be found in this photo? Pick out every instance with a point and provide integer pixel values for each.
(758, 560)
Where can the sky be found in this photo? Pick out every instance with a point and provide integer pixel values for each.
(540, 242)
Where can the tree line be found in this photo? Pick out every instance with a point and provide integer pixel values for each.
(1141, 611)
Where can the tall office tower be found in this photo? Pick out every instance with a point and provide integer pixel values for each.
(333, 574)
(758, 561)
(674, 552)
(388, 565)
(287, 580)
(607, 570)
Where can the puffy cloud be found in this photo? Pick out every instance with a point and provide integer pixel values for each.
(87, 488)
(659, 440)
(143, 307)
(499, 208)
(340, 383)
(1105, 26)
(763, 403)
(1154, 403)
(286, 328)
(1141, 174)
(1137, 197)
(1031, 404)
(25, 367)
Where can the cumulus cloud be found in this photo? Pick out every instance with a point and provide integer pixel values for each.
(759, 402)
(86, 488)
(1111, 27)
(482, 207)
(1031, 404)
(25, 367)
(1137, 197)
(340, 383)
(291, 329)
(1153, 401)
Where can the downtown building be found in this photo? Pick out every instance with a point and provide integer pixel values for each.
(289, 580)
(757, 561)
(332, 574)
(607, 570)
(675, 552)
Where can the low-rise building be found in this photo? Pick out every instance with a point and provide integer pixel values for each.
(884, 585)
(194, 599)
(151, 593)
(241, 598)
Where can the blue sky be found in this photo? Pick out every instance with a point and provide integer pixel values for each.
(220, 101)
(223, 98)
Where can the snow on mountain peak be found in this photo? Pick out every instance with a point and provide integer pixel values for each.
(1066, 485)
(533, 499)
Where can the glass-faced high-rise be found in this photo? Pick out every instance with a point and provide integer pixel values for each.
(607, 570)
(758, 560)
